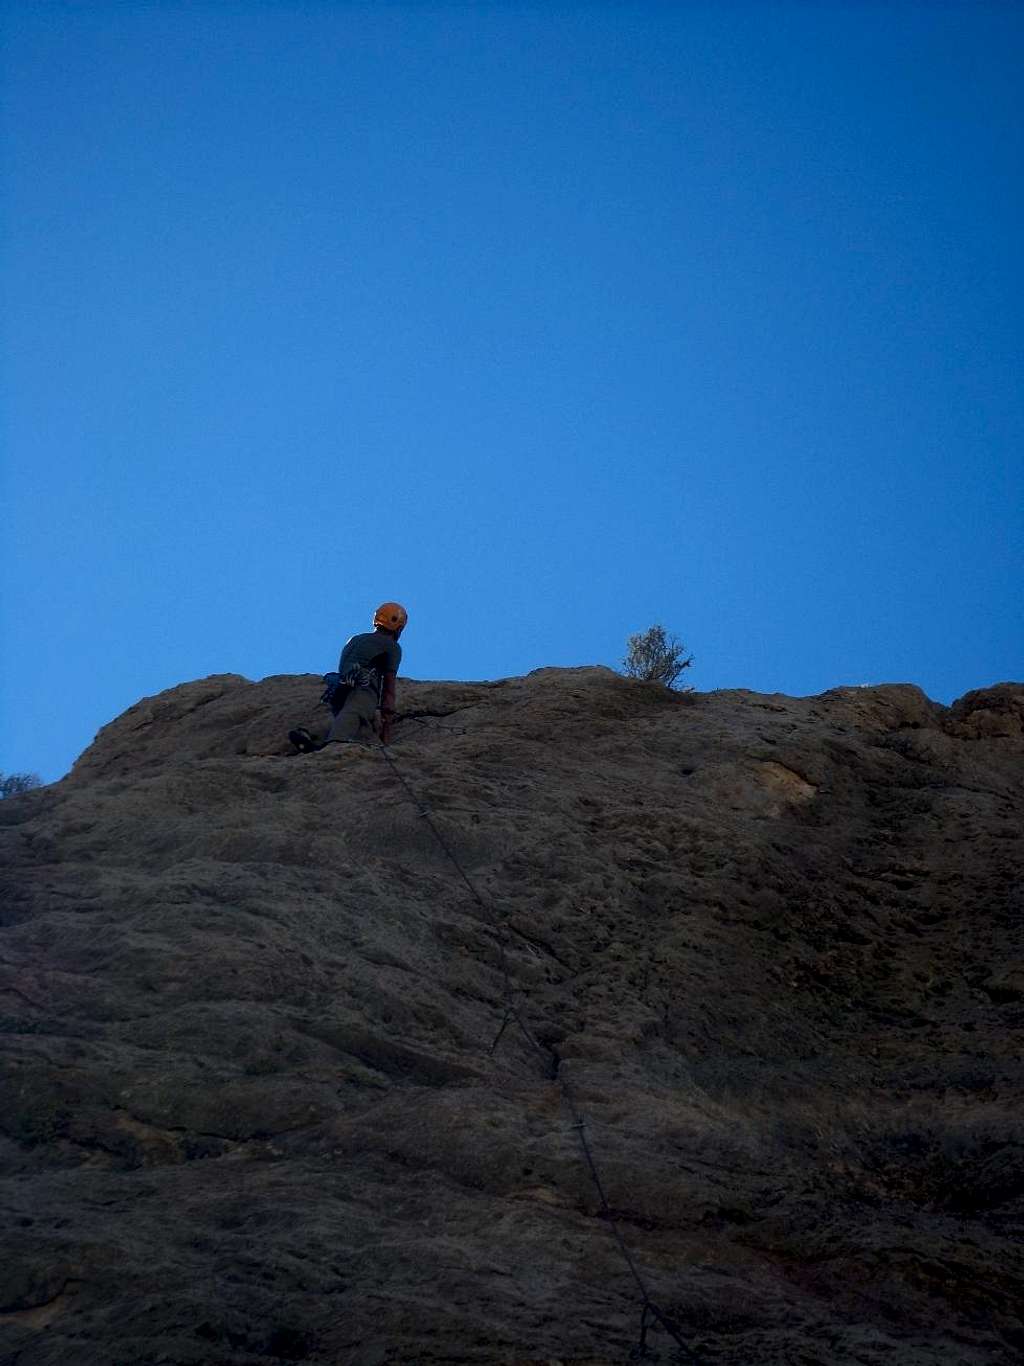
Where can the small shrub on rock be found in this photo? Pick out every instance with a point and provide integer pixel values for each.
(11, 784)
(655, 656)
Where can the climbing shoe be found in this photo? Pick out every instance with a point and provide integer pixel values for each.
(303, 741)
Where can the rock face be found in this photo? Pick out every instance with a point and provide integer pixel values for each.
(249, 1113)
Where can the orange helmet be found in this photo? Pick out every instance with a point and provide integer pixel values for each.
(392, 616)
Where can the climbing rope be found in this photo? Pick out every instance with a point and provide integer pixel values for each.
(429, 719)
(555, 1068)
(511, 1010)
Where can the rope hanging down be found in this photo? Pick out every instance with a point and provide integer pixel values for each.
(511, 1010)
(556, 1071)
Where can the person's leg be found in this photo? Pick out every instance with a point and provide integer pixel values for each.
(355, 720)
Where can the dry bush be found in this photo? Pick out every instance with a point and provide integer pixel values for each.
(655, 656)
(11, 784)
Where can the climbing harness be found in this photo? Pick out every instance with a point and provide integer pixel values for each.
(556, 1070)
(338, 686)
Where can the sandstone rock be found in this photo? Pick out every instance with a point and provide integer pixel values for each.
(249, 1111)
(1007, 986)
(989, 713)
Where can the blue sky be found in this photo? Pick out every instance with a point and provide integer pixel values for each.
(550, 321)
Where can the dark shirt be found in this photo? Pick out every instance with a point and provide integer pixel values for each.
(375, 652)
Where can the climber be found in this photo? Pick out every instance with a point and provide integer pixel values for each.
(361, 695)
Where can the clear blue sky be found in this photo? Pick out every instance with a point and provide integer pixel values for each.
(550, 321)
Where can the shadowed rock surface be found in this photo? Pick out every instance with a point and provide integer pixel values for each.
(247, 1108)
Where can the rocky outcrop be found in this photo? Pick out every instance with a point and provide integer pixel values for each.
(248, 1107)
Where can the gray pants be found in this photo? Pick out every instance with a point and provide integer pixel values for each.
(355, 720)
